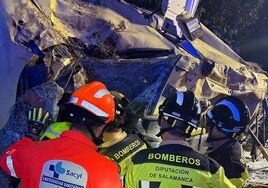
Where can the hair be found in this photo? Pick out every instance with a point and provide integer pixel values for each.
(120, 116)
(114, 125)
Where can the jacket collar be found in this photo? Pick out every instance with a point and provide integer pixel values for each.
(114, 141)
(179, 142)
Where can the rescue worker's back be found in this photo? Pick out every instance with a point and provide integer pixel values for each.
(175, 165)
(70, 160)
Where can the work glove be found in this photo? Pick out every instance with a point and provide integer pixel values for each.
(38, 121)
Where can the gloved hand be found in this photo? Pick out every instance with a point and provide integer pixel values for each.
(38, 121)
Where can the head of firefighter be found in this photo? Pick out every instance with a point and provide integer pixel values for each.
(228, 118)
(120, 115)
(90, 109)
(179, 114)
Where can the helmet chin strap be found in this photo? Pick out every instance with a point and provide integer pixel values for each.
(95, 139)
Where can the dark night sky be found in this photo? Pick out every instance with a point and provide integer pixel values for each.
(255, 49)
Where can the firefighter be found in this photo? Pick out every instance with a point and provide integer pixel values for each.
(118, 145)
(70, 160)
(227, 119)
(174, 163)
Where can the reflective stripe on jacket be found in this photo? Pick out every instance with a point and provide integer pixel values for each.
(174, 165)
(232, 159)
(68, 161)
(55, 129)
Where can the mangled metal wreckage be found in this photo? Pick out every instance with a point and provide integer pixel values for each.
(145, 56)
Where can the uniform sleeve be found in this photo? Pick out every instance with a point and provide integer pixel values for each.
(10, 160)
(235, 166)
(219, 180)
(240, 182)
(241, 171)
(129, 181)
